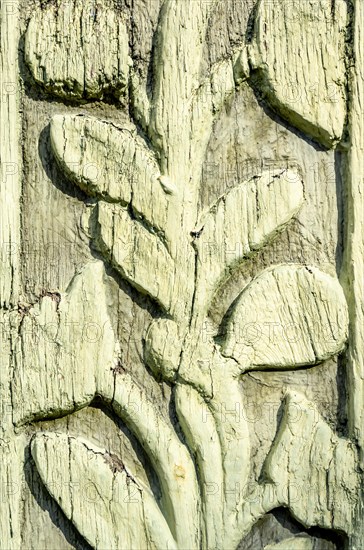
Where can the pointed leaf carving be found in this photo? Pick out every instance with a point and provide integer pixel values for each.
(66, 347)
(139, 255)
(242, 221)
(286, 317)
(107, 505)
(298, 51)
(314, 469)
(111, 163)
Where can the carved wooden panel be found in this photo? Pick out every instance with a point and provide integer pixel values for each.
(182, 301)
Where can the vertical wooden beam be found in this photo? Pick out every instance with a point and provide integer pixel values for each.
(10, 157)
(354, 254)
(355, 233)
(11, 448)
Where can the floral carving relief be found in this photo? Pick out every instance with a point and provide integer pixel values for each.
(141, 181)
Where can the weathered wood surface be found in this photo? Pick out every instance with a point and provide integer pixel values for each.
(354, 254)
(181, 274)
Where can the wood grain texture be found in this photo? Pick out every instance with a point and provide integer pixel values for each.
(10, 156)
(10, 239)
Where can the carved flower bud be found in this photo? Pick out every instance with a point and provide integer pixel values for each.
(163, 348)
(78, 49)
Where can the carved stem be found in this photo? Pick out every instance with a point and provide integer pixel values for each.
(177, 130)
(217, 434)
(169, 457)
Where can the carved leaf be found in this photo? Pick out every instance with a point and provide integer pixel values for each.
(314, 469)
(139, 255)
(110, 163)
(177, 79)
(65, 350)
(298, 51)
(242, 221)
(107, 505)
(286, 317)
(88, 58)
(113, 164)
